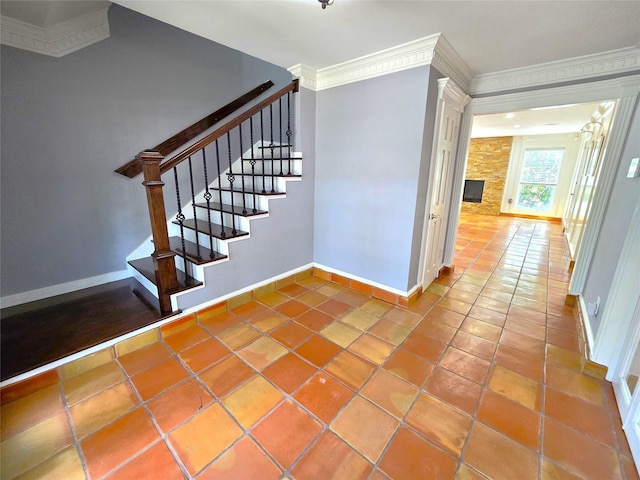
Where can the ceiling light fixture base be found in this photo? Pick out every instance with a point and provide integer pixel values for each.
(325, 3)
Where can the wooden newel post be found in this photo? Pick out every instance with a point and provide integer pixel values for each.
(165, 265)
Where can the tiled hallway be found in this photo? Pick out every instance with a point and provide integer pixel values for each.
(480, 378)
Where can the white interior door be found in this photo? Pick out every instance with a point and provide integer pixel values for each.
(441, 177)
(627, 386)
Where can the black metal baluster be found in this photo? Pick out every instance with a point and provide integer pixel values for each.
(195, 213)
(264, 189)
(289, 132)
(231, 179)
(271, 145)
(223, 234)
(244, 200)
(280, 122)
(180, 217)
(207, 197)
(253, 165)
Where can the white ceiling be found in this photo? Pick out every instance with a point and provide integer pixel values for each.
(537, 121)
(489, 36)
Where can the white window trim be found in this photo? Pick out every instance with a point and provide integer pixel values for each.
(518, 148)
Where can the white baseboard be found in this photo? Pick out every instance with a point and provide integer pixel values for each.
(53, 290)
(587, 325)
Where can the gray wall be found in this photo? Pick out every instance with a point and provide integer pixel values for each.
(369, 150)
(616, 222)
(67, 123)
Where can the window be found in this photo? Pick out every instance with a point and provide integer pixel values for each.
(539, 178)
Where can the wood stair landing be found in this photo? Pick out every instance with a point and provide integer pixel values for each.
(37, 333)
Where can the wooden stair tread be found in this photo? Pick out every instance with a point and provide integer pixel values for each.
(216, 230)
(146, 268)
(283, 145)
(275, 175)
(247, 191)
(192, 251)
(236, 209)
(270, 159)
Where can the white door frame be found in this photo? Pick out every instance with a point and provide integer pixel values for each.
(616, 323)
(449, 93)
(624, 90)
(629, 343)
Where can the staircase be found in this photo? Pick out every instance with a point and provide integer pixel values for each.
(218, 185)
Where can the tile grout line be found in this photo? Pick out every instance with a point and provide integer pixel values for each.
(161, 434)
(474, 418)
(76, 440)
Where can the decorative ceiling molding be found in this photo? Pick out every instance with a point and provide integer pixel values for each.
(597, 91)
(436, 51)
(424, 51)
(615, 62)
(449, 89)
(59, 39)
(447, 61)
(308, 76)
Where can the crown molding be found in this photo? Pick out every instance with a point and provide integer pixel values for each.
(596, 91)
(451, 91)
(615, 62)
(447, 61)
(59, 39)
(391, 60)
(308, 76)
(424, 51)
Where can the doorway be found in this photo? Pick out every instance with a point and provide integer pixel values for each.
(592, 139)
(624, 90)
(528, 159)
(451, 103)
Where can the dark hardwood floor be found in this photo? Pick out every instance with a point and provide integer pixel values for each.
(37, 333)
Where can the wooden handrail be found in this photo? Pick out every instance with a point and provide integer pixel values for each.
(134, 167)
(216, 134)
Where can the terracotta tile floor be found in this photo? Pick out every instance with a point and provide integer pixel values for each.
(480, 378)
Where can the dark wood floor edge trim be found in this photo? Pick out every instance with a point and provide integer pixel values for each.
(588, 366)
